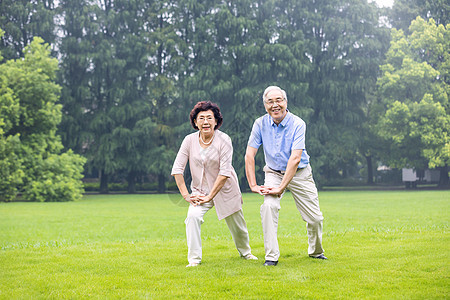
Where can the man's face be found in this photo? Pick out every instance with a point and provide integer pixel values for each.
(275, 105)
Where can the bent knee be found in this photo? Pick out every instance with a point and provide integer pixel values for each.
(270, 205)
(194, 217)
(315, 222)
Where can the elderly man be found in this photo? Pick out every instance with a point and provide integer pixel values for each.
(282, 135)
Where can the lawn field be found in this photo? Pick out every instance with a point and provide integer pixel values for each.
(380, 245)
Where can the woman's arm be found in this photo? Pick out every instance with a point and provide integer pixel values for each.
(179, 179)
(178, 169)
(218, 185)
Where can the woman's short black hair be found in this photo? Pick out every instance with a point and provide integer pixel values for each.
(204, 106)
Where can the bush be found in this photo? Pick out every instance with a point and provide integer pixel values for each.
(123, 186)
(58, 179)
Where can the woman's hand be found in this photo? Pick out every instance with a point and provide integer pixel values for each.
(260, 189)
(194, 199)
(203, 199)
(191, 199)
(187, 197)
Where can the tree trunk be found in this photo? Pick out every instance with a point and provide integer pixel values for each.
(369, 169)
(131, 182)
(443, 177)
(103, 183)
(161, 183)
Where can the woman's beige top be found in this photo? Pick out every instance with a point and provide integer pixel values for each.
(208, 163)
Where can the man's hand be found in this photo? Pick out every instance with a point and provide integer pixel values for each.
(259, 189)
(277, 191)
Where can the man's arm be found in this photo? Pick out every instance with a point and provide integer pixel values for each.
(291, 169)
(250, 170)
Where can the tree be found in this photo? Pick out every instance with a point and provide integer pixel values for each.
(120, 80)
(32, 162)
(167, 67)
(345, 45)
(238, 49)
(325, 55)
(78, 30)
(403, 12)
(132, 141)
(11, 171)
(414, 89)
(22, 20)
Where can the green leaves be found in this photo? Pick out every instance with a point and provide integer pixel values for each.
(30, 158)
(414, 89)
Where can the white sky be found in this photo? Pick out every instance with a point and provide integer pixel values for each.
(384, 3)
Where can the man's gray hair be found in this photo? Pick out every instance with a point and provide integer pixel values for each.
(271, 88)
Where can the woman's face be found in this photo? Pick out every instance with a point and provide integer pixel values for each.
(206, 122)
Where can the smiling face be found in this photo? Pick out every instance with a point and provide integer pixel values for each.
(275, 105)
(206, 122)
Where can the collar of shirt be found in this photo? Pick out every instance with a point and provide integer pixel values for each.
(283, 122)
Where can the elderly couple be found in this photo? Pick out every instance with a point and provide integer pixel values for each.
(215, 183)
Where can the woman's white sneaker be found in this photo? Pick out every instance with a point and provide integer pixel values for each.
(250, 257)
(192, 265)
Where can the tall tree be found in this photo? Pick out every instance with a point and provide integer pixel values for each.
(239, 48)
(29, 117)
(405, 11)
(345, 45)
(325, 55)
(414, 89)
(22, 20)
(167, 22)
(78, 30)
(133, 137)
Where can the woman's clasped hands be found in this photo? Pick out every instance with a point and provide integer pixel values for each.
(197, 199)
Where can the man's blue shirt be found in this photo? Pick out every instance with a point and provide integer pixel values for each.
(279, 141)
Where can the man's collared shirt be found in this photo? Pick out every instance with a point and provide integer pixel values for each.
(279, 141)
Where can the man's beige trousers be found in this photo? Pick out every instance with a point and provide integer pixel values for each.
(304, 192)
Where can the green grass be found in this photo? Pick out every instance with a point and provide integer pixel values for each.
(380, 245)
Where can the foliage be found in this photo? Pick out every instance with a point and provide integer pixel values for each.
(414, 90)
(29, 147)
(318, 53)
(118, 86)
(102, 246)
(403, 12)
(23, 20)
(130, 72)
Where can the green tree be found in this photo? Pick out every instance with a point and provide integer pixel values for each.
(133, 137)
(120, 77)
(22, 20)
(414, 89)
(11, 171)
(325, 55)
(238, 49)
(168, 55)
(403, 12)
(29, 117)
(345, 44)
(75, 50)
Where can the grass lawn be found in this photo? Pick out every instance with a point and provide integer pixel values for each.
(380, 245)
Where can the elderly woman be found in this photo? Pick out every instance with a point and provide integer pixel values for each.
(214, 181)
